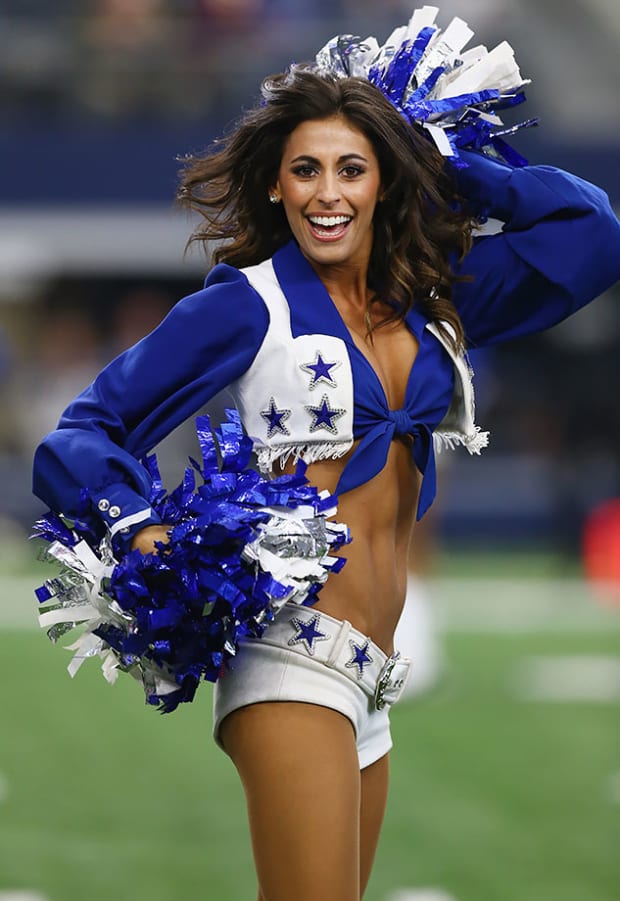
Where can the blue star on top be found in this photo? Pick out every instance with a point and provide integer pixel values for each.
(320, 370)
(275, 419)
(360, 657)
(307, 632)
(324, 415)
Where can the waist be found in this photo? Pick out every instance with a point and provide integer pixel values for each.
(338, 645)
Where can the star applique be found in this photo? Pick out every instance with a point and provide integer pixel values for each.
(360, 657)
(307, 632)
(275, 419)
(320, 370)
(324, 416)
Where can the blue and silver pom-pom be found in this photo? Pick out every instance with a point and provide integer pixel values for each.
(240, 547)
(428, 76)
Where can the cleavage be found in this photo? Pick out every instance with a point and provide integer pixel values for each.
(391, 357)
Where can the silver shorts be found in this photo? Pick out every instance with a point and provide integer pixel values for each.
(310, 657)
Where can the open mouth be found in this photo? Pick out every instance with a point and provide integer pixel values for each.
(329, 227)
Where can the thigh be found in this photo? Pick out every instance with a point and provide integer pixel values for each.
(299, 767)
(374, 790)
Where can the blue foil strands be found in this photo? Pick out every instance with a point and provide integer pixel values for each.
(430, 98)
(240, 546)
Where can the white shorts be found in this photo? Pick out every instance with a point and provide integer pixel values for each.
(310, 657)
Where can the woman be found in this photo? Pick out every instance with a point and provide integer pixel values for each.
(348, 284)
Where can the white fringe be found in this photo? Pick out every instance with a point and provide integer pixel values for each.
(267, 457)
(474, 442)
(310, 453)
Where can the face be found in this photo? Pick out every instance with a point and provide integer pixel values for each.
(329, 184)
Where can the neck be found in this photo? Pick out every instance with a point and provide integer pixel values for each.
(347, 285)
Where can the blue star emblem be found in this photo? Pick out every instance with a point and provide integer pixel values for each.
(307, 632)
(275, 419)
(360, 657)
(324, 416)
(320, 370)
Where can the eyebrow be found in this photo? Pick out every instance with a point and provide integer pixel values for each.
(341, 159)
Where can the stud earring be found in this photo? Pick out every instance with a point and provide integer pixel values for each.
(273, 198)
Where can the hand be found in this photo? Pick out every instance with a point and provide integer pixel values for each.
(144, 540)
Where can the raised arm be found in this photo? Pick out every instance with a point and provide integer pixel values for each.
(206, 342)
(559, 248)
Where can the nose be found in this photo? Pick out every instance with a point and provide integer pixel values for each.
(328, 192)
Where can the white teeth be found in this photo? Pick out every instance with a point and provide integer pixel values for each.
(329, 220)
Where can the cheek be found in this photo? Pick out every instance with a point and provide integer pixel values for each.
(367, 206)
(295, 196)
(367, 198)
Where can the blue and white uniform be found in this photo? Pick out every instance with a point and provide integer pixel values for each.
(272, 335)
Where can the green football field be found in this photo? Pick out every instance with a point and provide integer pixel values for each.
(505, 785)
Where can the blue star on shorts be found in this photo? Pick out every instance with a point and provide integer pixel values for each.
(360, 657)
(307, 632)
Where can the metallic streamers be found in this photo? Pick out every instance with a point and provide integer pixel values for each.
(240, 547)
(433, 82)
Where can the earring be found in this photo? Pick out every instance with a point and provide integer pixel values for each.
(273, 198)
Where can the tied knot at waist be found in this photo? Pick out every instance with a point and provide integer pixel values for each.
(402, 421)
(422, 452)
(370, 456)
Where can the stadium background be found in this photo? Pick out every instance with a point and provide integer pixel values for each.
(507, 776)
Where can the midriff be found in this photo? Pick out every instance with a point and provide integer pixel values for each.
(369, 591)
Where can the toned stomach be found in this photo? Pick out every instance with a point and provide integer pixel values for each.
(369, 591)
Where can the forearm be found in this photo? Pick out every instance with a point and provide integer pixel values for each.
(206, 342)
(558, 249)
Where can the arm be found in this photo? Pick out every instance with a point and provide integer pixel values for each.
(206, 342)
(558, 250)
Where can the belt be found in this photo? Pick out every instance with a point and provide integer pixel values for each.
(336, 644)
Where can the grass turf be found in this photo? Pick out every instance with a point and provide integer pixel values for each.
(492, 798)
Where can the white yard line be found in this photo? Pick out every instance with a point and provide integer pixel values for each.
(528, 605)
(18, 605)
(22, 895)
(568, 679)
(613, 788)
(418, 894)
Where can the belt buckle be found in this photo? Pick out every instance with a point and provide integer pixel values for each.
(383, 681)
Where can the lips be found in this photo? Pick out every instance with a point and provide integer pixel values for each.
(329, 228)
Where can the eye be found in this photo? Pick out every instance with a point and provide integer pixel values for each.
(352, 171)
(304, 171)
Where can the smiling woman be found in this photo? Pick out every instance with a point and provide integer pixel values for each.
(347, 288)
(395, 175)
(329, 183)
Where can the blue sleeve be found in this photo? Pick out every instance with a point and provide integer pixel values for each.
(208, 340)
(558, 250)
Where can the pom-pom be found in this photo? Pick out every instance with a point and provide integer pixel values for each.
(428, 76)
(240, 547)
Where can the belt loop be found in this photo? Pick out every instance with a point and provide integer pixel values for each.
(339, 643)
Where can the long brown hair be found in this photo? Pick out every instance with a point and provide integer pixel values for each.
(419, 225)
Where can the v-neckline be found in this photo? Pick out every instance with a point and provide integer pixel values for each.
(374, 372)
(305, 292)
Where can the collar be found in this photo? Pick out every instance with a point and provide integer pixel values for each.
(310, 303)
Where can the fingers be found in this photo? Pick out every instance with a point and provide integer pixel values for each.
(146, 539)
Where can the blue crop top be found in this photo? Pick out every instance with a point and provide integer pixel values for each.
(429, 388)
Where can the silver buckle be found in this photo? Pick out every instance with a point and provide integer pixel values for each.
(383, 681)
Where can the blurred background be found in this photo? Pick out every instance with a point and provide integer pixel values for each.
(99, 98)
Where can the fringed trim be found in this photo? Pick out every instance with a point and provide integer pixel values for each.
(474, 442)
(309, 453)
